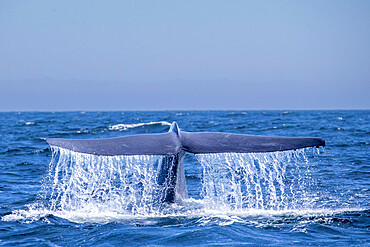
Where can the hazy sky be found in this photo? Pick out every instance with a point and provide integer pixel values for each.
(157, 55)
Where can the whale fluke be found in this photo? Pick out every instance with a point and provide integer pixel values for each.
(199, 143)
(175, 141)
(147, 144)
(173, 145)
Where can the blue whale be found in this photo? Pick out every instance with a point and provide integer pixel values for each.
(175, 143)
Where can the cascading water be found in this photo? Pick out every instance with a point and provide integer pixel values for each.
(128, 185)
(88, 183)
(261, 181)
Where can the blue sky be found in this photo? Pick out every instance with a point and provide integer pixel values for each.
(165, 55)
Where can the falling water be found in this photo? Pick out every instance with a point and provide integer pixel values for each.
(262, 181)
(85, 183)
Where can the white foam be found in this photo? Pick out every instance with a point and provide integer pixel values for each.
(192, 210)
(130, 126)
(33, 213)
(27, 123)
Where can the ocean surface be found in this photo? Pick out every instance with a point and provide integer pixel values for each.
(309, 197)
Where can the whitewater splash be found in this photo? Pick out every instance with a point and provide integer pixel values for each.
(121, 127)
(85, 183)
(80, 186)
(258, 181)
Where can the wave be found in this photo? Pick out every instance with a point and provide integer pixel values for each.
(121, 127)
(190, 209)
(27, 123)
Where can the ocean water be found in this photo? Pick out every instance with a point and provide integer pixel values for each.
(54, 197)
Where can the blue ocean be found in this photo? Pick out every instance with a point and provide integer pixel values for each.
(308, 197)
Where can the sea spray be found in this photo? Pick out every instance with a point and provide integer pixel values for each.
(87, 183)
(128, 185)
(256, 181)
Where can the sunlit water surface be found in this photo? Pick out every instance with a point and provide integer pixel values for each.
(52, 196)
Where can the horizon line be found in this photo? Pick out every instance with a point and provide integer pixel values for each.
(185, 110)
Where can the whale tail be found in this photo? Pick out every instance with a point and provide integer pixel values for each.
(175, 141)
(173, 145)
